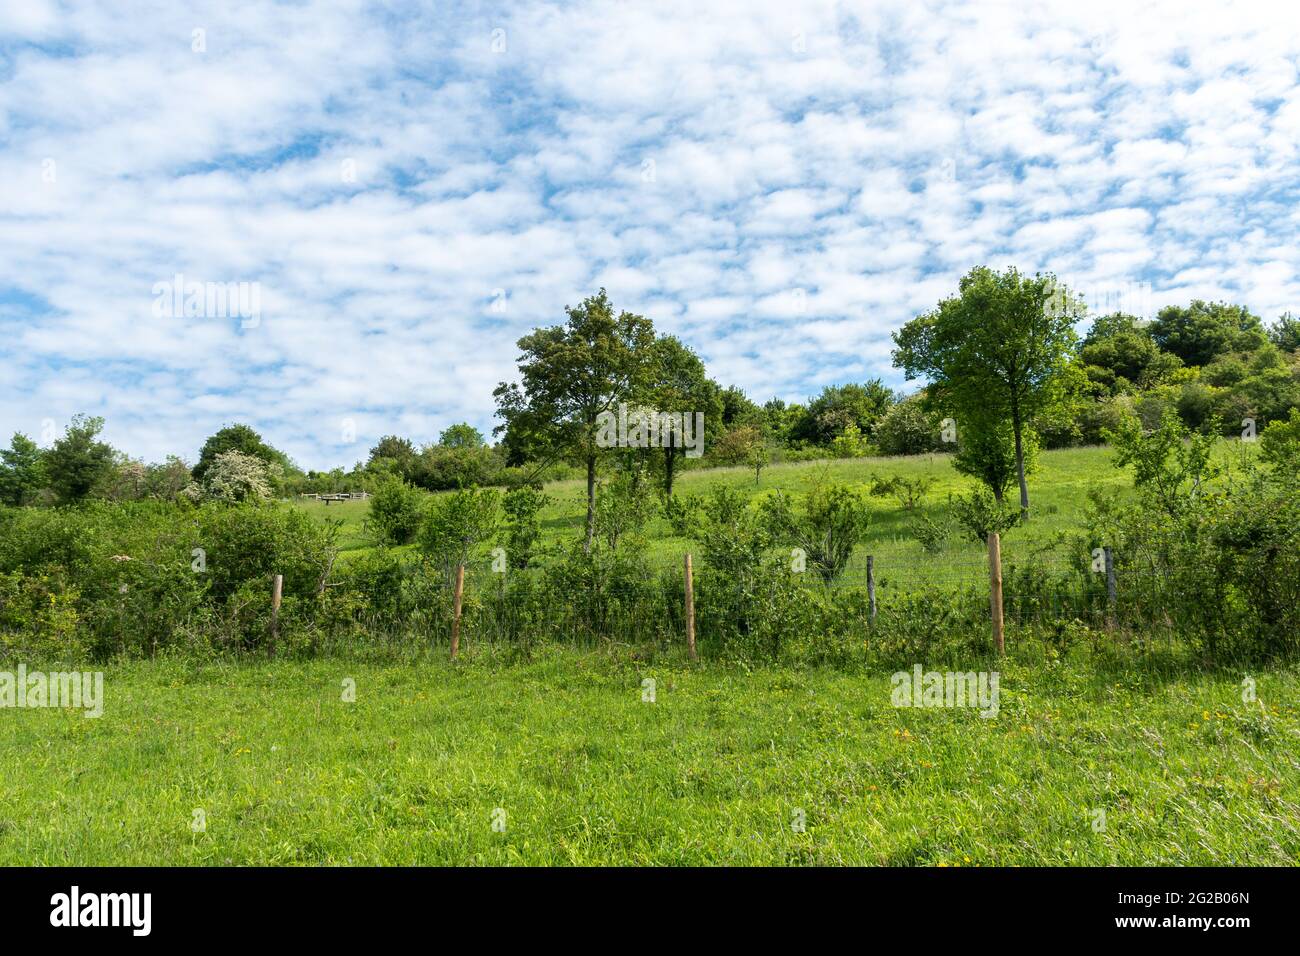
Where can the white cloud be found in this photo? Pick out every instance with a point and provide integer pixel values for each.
(388, 178)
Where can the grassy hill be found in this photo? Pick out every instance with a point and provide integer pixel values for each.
(1058, 496)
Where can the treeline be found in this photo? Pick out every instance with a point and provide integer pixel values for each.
(1005, 376)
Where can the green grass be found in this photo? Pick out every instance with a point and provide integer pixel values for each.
(712, 772)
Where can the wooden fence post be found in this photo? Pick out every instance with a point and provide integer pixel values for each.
(995, 589)
(1112, 586)
(455, 620)
(277, 592)
(871, 586)
(690, 610)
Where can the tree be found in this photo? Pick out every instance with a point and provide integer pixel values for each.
(240, 438)
(571, 374)
(999, 348)
(677, 383)
(444, 467)
(233, 477)
(987, 451)
(738, 411)
(167, 480)
(1285, 332)
(463, 435)
(1120, 354)
(908, 428)
(839, 406)
(78, 462)
(1199, 332)
(399, 452)
(743, 446)
(22, 471)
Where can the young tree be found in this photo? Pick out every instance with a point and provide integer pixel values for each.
(832, 520)
(78, 462)
(571, 373)
(677, 383)
(1000, 347)
(986, 450)
(455, 525)
(22, 471)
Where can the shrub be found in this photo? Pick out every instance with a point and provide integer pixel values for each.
(522, 506)
(828, 526)
(455, 525)
(396, 510)
(980, 514)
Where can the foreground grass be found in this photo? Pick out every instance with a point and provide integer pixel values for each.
(713, 772)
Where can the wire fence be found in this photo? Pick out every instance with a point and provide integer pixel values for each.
(1049, 585)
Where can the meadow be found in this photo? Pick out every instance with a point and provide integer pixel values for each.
(1058, 489)
(545, 754)
(573, 766)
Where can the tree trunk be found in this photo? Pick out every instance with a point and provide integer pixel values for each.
(591, 502)
(670, 460)
(1020, 462)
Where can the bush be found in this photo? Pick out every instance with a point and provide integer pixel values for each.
(396, 510)
(828, 526)
(456, 525)
(980, 514)
(907, 429)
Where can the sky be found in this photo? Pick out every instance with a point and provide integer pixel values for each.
(405, 189)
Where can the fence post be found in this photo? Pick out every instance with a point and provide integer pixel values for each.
(871, 587)
(995, 589)
(277, 592)
(455, 620)
(690, 609)
(1112, 586)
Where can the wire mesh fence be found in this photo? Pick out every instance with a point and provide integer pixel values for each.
(647, 601)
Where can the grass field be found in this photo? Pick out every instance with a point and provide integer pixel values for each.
(714, 771)
(1086, 762)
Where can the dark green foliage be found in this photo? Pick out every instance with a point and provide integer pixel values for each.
(78, 463)
(1200, 332)
(240, 438)
(22, 472)
(838, 407)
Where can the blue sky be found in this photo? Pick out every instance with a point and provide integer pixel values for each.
(412, 187)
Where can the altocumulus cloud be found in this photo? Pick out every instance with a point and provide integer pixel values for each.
(413, 186)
